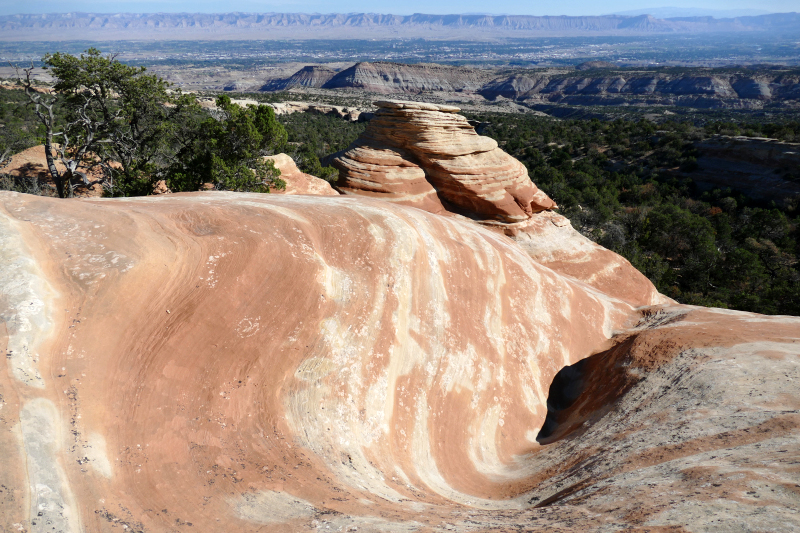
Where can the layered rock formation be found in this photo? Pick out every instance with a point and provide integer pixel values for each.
(298, 182)
(718, 90)
(244, 362)
(428, 156)
(387, 77)
(596, 83)
(308, 76)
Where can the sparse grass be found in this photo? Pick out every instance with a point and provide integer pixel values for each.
(25, 185)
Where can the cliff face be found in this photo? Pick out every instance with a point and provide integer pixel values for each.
(761, 168)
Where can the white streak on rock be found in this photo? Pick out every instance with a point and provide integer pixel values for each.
(52, 505)
(23, 296)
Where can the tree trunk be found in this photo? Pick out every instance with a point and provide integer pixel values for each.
(51, 166)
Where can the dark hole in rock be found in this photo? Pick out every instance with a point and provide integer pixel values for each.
(583, 393)
(565, 389)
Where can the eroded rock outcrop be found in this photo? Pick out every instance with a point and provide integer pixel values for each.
(298, 182)
(428, 156)
(257, 362)
(287, 108)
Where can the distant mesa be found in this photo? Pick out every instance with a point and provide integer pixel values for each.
(720, 90)
(610, 85)
(689, 12)
(514, 87)
(384, 77)
(314, 76)
(387, 77)
(591, 65)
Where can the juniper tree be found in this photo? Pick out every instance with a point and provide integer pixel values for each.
(113, 117)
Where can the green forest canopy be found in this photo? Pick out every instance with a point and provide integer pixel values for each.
(628, 186)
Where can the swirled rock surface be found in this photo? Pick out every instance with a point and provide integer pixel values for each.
(243, 362)
(550, 240)
(428, 156)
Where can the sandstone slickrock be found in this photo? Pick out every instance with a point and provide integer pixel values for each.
(428, 156)
(244, 362)
(550, 240)
(298, 182)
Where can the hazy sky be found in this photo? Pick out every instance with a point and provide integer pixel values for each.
(522, 7)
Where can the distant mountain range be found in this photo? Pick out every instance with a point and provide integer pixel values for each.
(673, 12)
(171, 26)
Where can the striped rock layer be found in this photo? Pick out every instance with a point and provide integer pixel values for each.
(242, 362)
(427, 156)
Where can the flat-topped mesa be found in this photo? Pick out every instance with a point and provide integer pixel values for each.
(428, 156)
